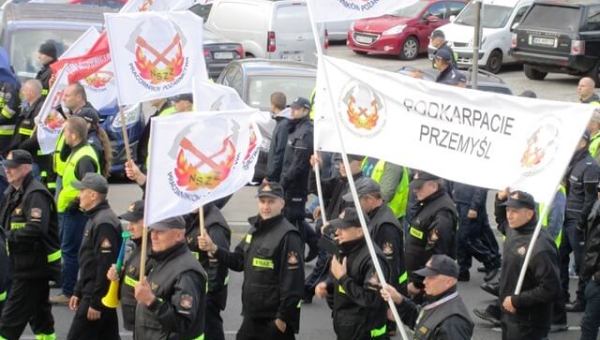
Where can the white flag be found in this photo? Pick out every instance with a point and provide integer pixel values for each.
(196, 158)
(155, 54)
(49, 121)
(100, 88)
(340, 10)
(479, 138)
(216, 97)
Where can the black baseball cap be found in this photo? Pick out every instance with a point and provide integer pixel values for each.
(184, 96)
(90, 116)
(520, 199)
(348, 219)
(135, 212)
(300, 102)
(439, 265)
(176, 222)
(16, 158)
(420, 178)
(364, 185)
(92, 181)
(443, 55)
(270, 189)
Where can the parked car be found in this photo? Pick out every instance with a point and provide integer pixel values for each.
(486, 81)
(498, 18)
(219, 51)
(26, 26)
(255, 80)
(559, 37)
(338, 30)
(267, 29)
(403, 32)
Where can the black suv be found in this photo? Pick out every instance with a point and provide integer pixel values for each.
(559, 37)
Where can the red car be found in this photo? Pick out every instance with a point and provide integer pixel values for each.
(403, 32)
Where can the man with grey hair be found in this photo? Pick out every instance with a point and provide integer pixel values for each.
(432, 230)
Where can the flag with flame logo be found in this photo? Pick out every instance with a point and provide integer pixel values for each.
(50, 121)
(196, 158)
(474, 137)
(340, 10)
(155, 54)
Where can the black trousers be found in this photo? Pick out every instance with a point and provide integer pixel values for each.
(105, 328)
(213, 324)
(262, 329)
(516, 329)
(27, 302)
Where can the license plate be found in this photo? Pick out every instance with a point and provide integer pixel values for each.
(544, 41)
(363, 39)
(223, 55)
(293, 56)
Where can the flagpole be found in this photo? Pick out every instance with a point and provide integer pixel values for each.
(125, 135)
(146, 210)
(201, 220)
(361, 218)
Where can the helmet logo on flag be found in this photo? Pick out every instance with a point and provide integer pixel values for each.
(362, 110)
(98, 80)
(542, 146)
(203, 159)
(54, 120)
(158, 60)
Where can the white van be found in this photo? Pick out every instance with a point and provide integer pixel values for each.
(266, 28)
(498, 17)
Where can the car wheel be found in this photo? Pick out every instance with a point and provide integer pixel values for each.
(410, 49)
(534, 74)
(494, 62)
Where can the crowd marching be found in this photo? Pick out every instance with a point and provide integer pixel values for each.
(59, 227)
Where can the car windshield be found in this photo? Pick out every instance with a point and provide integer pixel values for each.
(25, 43)
(552, 17)
(409, 11)
(260, 89)
(494, 16)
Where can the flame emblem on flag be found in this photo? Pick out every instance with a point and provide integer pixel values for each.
(99, 79)
(146, 6)
(252, 145)
(542, 145)
(364, 109)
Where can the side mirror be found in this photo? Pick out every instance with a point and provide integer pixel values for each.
(514, 26)
(432, 18)
(452, 18)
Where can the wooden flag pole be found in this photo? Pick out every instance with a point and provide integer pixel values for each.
(125, 136)
(143, 253)
(201, 221)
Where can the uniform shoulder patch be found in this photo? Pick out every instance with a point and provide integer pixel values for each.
(186, 301)
(388, 249)
(35, 213)
(105, 243)
(423, 330)
(522, 250)
(292, 259)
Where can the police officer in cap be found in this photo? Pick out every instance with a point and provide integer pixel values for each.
(218, 273)
(29, 216)
(432, 230)
(438, 40)
(449, 74)
(131, 266)
(271, 257)
(359, 312)
(172, 299)
(526, 316)
(444, 316)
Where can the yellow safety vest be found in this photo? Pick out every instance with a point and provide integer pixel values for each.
(311, 114)
(545, 218)
(399, 202)
(59, 164)
(594, 144)
(69, 192)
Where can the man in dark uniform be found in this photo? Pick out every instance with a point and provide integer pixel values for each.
(9, 102)
(432, 230)
(359, 312)
(449, 74)
(583, 176)
(296, 169)
(29, 217)
(130, 272)
(271, 257)
(444, 316)
(25, 138)
(218, 272)
(279, 138)
(590, 273)
(99, 250)
(172, 300)
(526, 316)
(438, 40)
(47, 55)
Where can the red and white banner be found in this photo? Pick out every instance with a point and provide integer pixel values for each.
(49, 121)
(155, 54)
(196, 158)
(479, 138)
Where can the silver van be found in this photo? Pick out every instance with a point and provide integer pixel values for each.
(267, 29)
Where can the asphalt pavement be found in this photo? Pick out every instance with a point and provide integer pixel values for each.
(316, 317)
